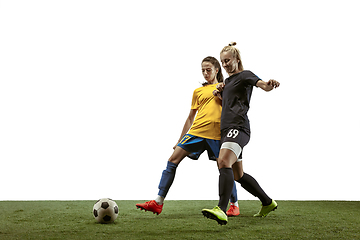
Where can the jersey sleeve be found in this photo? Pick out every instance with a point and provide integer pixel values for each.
(195, 102)
(251, 78)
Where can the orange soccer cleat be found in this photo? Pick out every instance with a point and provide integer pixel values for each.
(151, 206)
(233, 211)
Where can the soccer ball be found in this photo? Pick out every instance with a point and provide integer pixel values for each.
(105, 210)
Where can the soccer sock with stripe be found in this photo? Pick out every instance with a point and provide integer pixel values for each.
(226, 182)
(253, 187)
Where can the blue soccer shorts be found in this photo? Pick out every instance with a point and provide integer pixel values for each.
(197, 145)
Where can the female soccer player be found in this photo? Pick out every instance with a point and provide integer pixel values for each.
(204, 135)
(235, 133)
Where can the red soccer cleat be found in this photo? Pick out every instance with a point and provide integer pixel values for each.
(151, 206)
(233, 211)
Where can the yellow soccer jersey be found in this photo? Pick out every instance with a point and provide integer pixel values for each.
(207, 120)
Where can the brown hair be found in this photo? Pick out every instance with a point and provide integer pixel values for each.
(216, 64)
(235, 52)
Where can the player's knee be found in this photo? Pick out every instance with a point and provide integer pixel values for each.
(175, 159)
(178, 155)
(223, 163)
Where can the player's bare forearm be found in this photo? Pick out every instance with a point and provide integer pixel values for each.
(269, 85)
(188, 123)
(186, 128)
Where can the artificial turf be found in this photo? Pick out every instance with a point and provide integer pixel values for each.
(179, 220)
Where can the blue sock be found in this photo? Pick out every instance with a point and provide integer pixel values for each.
(233, 197)
(167, 179)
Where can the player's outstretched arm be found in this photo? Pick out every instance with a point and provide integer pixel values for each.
(188, 123)
(269, 85)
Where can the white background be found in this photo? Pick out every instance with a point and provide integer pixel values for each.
(94, 95)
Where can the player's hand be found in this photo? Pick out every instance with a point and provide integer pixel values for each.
(220, 86)
(273, 83)
(216, 93)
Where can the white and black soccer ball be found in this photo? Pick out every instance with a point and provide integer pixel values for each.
(105, 210)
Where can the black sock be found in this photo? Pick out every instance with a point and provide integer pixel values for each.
(253, 187)
(226, 182)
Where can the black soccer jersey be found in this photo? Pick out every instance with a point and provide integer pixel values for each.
(236, 100)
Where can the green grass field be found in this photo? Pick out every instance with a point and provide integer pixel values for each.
(179, 220)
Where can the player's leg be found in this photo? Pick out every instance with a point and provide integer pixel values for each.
(229, 153)
(168, 174)
(252, 186)
(226, 178)
(213, 149)
(166, 181)
(226, 181)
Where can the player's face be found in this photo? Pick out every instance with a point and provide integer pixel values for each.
(229, 62)
(209, 72)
